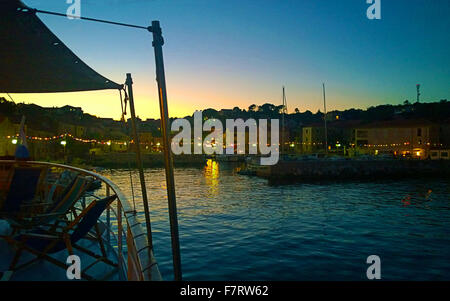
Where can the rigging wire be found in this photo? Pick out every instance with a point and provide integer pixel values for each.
(10, 97)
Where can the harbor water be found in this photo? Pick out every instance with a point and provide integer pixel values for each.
(235, 227)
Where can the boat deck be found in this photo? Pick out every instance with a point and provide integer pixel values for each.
(127, 254)
(43, 270)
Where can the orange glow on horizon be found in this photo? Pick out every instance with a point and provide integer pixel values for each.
(184, 100)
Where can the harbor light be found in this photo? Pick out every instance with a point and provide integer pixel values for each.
(14, 141)
(63, 143)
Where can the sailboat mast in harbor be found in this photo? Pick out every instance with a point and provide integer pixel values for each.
(325, 118)
(284, 112)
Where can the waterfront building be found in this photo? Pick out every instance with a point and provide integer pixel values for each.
(340, 134)
(313, 138)
(440, 154)
(73, 129)
(408, 138)
(8, 130)
(444, 134)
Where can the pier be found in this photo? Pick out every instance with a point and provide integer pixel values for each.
(323, 170)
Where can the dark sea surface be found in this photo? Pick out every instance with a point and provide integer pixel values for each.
(235, 227)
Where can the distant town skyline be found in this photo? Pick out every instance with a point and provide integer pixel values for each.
(225, 54)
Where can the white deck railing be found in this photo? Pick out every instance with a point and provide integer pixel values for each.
(140, 264)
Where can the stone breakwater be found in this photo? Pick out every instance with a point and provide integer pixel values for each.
(343, 170)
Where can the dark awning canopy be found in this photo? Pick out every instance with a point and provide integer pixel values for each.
(34, 60)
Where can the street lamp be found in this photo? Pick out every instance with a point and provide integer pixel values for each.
(64, 143)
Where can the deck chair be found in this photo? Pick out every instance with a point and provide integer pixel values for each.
(65, 180)
(22, 189)
(59, 208)
(43, 242)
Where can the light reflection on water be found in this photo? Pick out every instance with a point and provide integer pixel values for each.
(235, 227)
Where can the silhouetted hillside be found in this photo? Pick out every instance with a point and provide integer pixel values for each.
(50, 119)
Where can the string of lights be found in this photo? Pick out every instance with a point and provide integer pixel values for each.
(125, 143)
(64, 136)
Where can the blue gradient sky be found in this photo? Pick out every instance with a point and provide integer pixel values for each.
(226, 53)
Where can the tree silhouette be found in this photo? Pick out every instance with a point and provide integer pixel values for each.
(252, 108)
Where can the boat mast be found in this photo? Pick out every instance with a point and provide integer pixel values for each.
(325, 119)
(129, 83)
(283, 131)
(158, 42)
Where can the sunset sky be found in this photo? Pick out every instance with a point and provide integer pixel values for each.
(227, 53)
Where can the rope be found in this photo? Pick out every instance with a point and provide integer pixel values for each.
(10, 97)
(123, 105)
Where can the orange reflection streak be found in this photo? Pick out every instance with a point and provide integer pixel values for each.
(211, 172)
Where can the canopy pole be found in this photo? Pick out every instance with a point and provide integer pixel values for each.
(158, 42)
(87, 19)
(129, 83)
